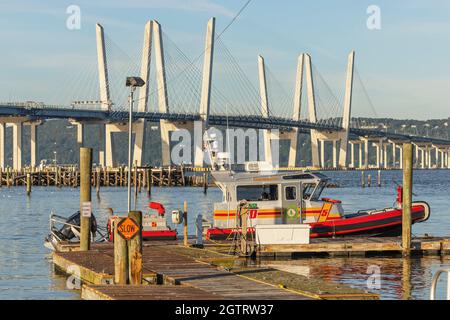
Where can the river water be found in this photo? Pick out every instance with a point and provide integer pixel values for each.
(26, 270)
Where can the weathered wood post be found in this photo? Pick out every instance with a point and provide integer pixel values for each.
(85, 196)
(205, 182)
(28, 184)
(379, 178)
(98, 180)
(149, 182)
(407, 198)
(120, 257)
(369, 180)
(135, 250)
(8, 174)
(185, 219)
(363, 182)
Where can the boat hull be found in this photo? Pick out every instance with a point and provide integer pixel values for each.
(382, 224)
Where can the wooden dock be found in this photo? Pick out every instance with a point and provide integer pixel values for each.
(361, 246)
(164, 268)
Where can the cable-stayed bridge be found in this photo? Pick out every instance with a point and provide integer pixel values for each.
(214, 90)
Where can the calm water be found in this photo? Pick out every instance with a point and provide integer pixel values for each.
(26, 271)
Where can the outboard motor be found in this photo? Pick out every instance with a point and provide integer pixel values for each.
(69, 230)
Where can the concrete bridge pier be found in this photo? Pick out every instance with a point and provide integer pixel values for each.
(17, 145)
(34, 143)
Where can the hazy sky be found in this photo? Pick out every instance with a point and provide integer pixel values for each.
(405, 65)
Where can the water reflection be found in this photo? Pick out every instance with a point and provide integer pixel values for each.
(400, 278)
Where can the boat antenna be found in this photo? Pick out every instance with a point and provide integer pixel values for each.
(228, 140)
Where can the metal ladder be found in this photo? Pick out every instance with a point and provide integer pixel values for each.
(435, 281)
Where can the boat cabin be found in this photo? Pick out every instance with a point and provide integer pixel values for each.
(274, 198)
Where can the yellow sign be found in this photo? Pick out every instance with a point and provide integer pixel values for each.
(128, 228)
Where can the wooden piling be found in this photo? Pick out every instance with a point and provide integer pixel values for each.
(120, 257)
(135, 251)
(185, 219)
(8, 175)
(28, 184)
(205, 182)
(369, 180)
(379, 178)
(363, 182)
(85, 196)
(407, 198)
(149, 182)
(98, 180)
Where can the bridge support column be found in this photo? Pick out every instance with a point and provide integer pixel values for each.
(293, 136)
(264, 107)
(80, 134)
(335, 153)
(312, 114)
(401, 156)
(366, 153)
(205, 98)
(422, 158)
(139, 141)
(140, 124)
(33, 144)
(109, 160)
(2, 145)
(352, 155)
(429, 157)
(165, 142)
(416, 150)
(377, 146)
(394, 155)
(347, 111)
(360, 158)
(17, 145)
(448, 158)
(385, 152)
(322, 154)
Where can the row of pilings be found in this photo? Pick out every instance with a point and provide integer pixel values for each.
(141, 177)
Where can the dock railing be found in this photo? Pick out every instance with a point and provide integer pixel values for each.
(435, 281)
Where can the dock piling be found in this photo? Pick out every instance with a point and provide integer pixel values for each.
(120, 257)
(363, 183)
(185, 231)
(407, 198)
(379, 178)
(135, 251)
(28, 184)
(85, 196)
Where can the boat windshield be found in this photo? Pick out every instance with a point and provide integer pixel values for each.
(312, 191)
(308, 189)
(318, 191)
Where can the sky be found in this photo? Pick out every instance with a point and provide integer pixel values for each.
(405, 64)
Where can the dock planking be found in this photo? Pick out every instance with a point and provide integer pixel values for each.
(134, 292)
(168, 268)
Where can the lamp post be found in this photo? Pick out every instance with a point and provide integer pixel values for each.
(133, 83)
